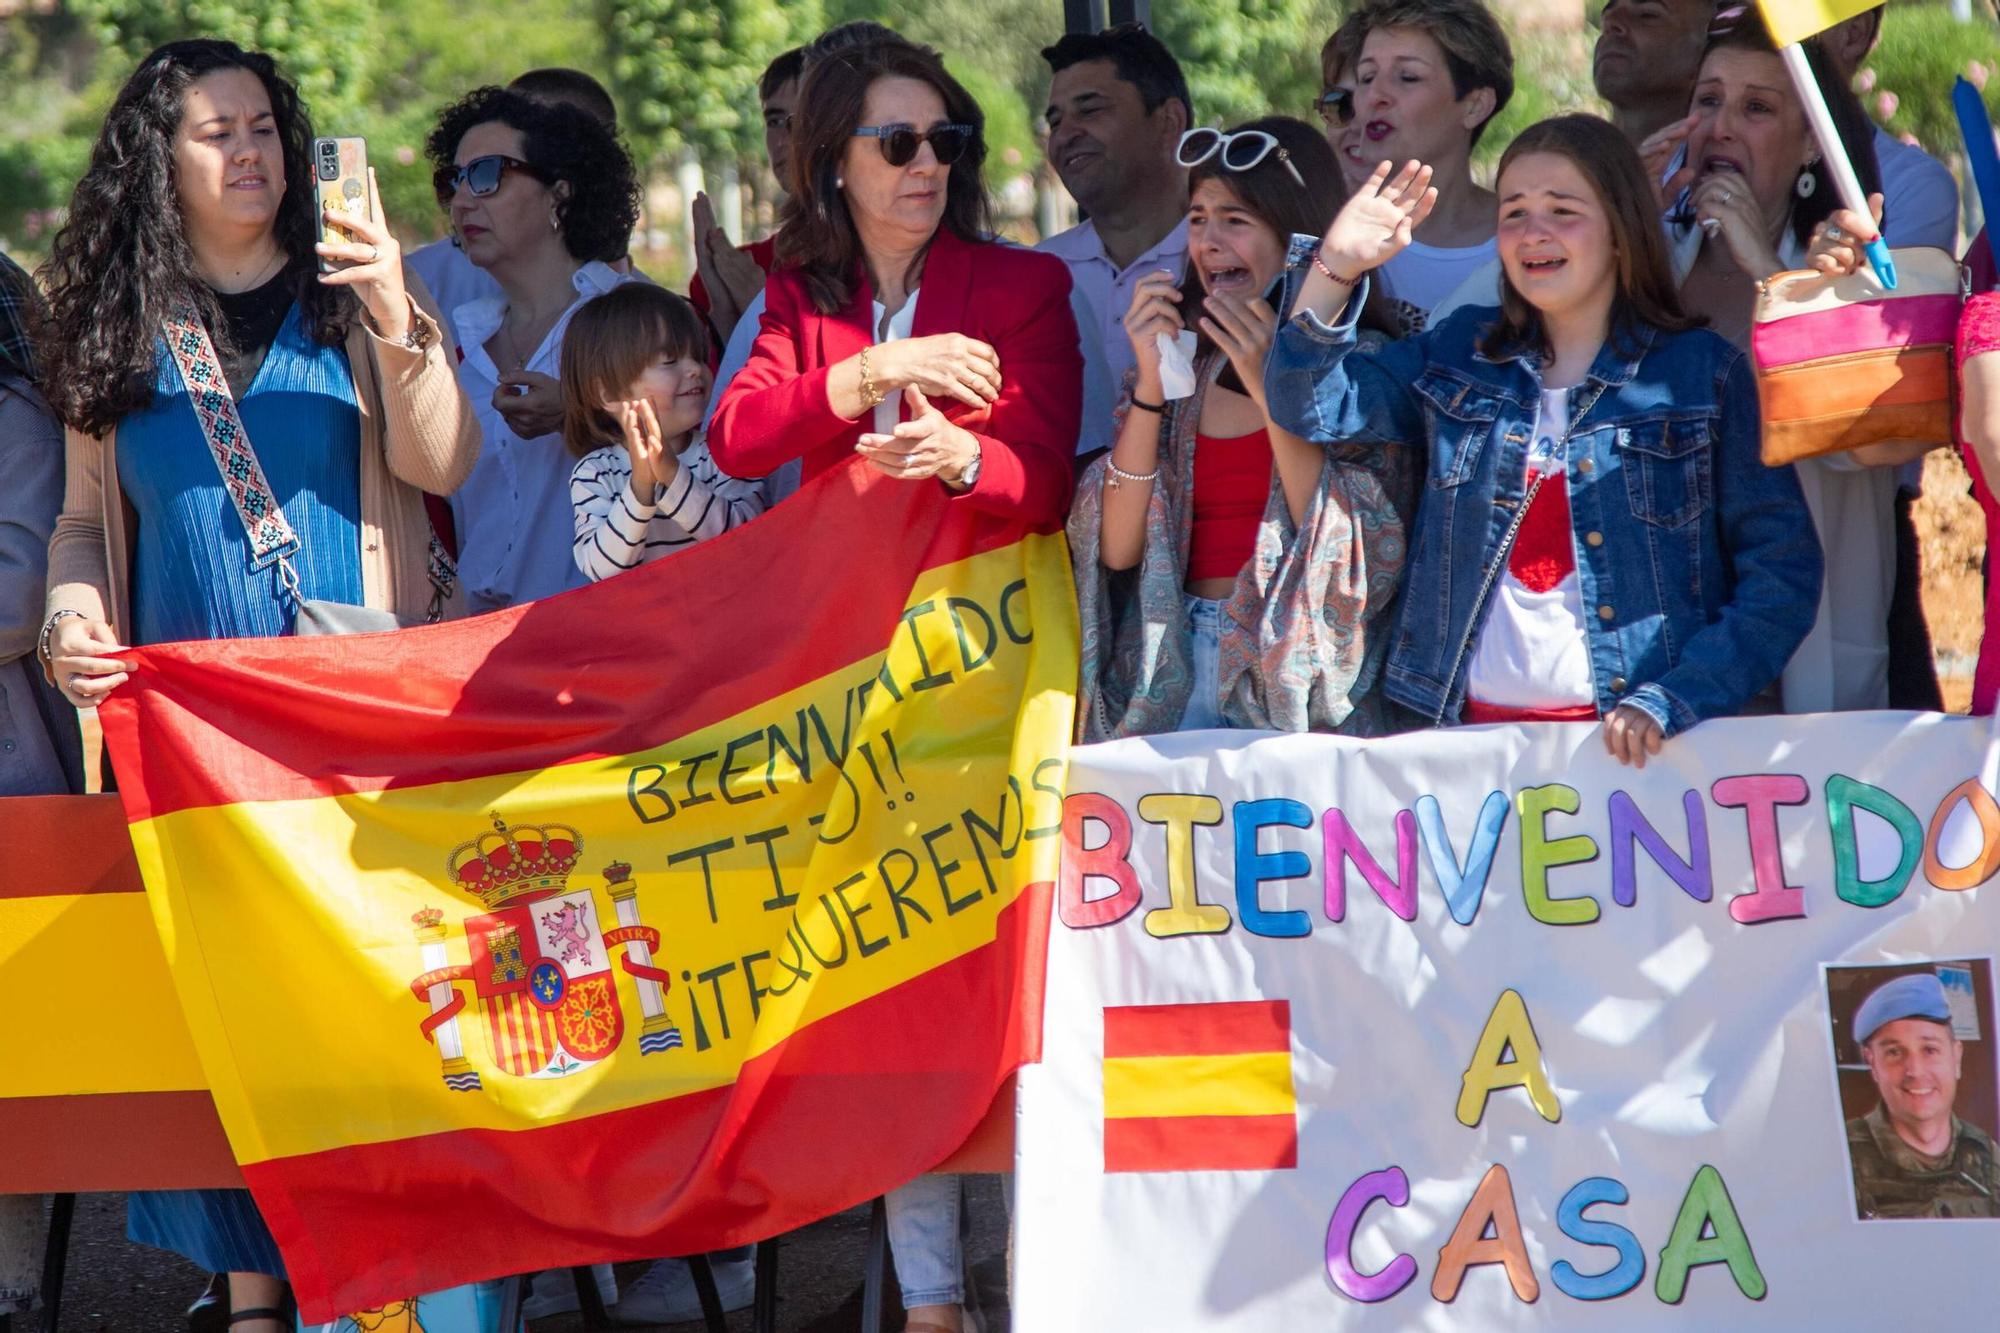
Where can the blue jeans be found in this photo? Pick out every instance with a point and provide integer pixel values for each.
(1204, 705)
(924, 1240)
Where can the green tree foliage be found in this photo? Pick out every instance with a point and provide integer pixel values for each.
(1248, 58)
(686, 70)
(368, 67)
(327, 46)
(1906, 84)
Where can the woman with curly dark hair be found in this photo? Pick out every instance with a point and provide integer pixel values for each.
(197, 213)
(543, 198)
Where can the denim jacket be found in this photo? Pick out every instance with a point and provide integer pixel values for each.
(1699, 566)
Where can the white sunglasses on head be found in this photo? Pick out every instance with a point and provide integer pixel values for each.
(1240, 151)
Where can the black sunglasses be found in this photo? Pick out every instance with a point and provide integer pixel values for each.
(1336, 108)
(482, 175)
(900, 142)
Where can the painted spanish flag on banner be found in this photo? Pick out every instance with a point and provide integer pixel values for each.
(1796, 20)
(1200, 1087)
(663, 915)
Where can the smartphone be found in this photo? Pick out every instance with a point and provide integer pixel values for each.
(340, 180)
(1229, 379)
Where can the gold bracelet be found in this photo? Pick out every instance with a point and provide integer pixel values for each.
(871, 392)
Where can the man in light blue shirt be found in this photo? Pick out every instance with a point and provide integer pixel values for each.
(1118, 105)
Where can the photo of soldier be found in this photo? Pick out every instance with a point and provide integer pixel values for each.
(1917, 1088)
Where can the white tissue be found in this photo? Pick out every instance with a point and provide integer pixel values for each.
(1176, 364)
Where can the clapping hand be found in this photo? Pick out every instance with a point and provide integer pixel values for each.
(1379, 221)
(927, 445)
(653, 462)
(732, 277)
(945, 365)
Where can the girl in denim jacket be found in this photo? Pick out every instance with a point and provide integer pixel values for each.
(1597, 537)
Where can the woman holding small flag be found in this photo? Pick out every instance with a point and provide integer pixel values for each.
(1754, 188)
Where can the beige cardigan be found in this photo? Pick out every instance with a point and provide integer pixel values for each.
(418, 433)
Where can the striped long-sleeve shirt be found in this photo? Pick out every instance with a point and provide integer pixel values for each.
(616, 531)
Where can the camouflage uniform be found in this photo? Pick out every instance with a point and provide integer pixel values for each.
(1892, 1179)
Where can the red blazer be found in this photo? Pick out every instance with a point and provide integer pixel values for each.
(776, 409)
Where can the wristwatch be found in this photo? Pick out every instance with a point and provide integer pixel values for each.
(970, 476)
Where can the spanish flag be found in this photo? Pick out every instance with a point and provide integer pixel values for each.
(1795, 20)
(659, 916)
(1199, 1087)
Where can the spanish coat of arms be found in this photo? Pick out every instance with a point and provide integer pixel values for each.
(540, 960)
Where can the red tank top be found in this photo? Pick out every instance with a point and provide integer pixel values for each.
(1232, 482)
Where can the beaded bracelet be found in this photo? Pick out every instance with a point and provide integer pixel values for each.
(1320, 264)
(1117, 476)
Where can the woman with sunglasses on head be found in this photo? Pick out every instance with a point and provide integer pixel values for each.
(197, 210)
(1228, 572)
(894, 328)
(1746, 202)
(1599, 537)
(543, 197)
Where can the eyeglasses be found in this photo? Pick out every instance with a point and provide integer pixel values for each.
(482, 175)
(1240, 151)
(900, 142)
(1336, 108)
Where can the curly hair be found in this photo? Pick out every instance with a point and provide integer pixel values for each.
(122, 263)
(564, 142)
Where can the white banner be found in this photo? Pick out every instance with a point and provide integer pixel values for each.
(1476, 1029)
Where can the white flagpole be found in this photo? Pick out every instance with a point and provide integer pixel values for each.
(1835, 156)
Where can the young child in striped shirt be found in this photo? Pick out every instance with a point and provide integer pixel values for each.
(635, 382)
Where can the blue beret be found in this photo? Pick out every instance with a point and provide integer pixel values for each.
(1919, 995)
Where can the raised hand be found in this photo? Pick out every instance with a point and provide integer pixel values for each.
(1379, 221)
(374, 265)
(652, 462)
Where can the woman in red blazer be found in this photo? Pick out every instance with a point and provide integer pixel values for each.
(891, 328)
